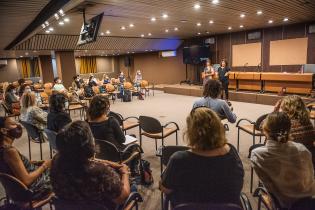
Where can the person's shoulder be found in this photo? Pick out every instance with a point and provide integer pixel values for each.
(199, 102)
(10, 151)
(300, 147)
(180, 155)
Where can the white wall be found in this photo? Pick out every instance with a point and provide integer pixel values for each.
(10, 72)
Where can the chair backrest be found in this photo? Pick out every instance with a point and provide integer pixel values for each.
(32, 131)
(110, 88)
(117, 116)
(168, 151)
(51, 135)
(61, 204)
(259, 121)
(144, 83)
(106, 150)
(207, 206)
(6, 108)
(304, 204)
(150, 124)
(127, 85)
(15, 189)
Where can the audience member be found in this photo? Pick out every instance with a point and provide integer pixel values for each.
(80, 178)
(92, 81)
(302, 129)
(106, 79)
(31, 113)
(103, 126)
(20, 88)
(76, 85)
(121, 77)
(210, 99)
(11, 99)
(58, 86)
(57, 117)
(211, 171)
(284, 167)
(12, 162)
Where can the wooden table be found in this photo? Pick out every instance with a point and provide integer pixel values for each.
(271, 81)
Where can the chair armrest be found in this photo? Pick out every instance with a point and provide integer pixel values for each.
(131, 117)
(245, 202)
(133, 156)
(133, 197)
(244, 119)
(169, 123)
(130, 146)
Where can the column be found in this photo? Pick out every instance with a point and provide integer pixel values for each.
(66, 66)
(46, 68)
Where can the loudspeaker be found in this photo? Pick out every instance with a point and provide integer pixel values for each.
(128, 61)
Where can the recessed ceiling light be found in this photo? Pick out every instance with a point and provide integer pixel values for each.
(215, 1)
(198, 24)
(149, 34)
(43, 26)
(123, 28)
(259, 12)
(175, 29)
(142, 35)
(270, 21)
(211, 21)
(102, 34)
(128, 52)
(21, 56)
(131, 25)
(47, 31)
(61, 12)
(51, 29)
(146, 50)
(26, 53)
(56, 16)
(196, 6)
(207, 32)
(66, 20)
(46, 23)
(153, 19)
(165, 16)
(241, 26)
(61, 23)
(183, 21)
(198, 33)
(166, 30)
(242, 15)
(229, 28)
(107, 32)
(285, 19)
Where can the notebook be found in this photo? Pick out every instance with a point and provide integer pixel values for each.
(130, 139)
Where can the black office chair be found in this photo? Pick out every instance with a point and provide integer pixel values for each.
(152, 128)
(106, 150)
(61, 204)
(252, 128)
(125, 123)
(165, 152)
(35, 135)
(19, 194)
(51, 136)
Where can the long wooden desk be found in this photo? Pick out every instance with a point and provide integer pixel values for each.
(272, 82)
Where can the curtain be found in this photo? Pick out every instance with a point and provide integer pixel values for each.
(87, 65)
(26, 68)
(36, 67)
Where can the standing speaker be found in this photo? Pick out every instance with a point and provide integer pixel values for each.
(128, 61)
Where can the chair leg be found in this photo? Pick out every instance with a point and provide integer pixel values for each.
(163, 142)
(41, 149)
(259, 139)
(176, 138)
(29, 148)
(155, 145)
(254, 139)
(251, 179)
(238, 139)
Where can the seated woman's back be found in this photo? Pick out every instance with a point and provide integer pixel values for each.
(197, 178)
(211, 171)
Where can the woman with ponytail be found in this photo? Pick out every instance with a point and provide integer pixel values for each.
(284, 167)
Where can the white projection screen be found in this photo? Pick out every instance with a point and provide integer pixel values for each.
(288, 51)
(249, 54)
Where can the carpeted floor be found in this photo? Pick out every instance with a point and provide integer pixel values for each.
(168, 107)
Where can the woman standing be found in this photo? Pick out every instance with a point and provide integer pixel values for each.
(223, 72)
(208, 72)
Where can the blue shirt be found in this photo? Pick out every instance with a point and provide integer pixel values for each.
(219, 106)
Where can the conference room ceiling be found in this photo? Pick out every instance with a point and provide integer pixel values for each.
(185, 19)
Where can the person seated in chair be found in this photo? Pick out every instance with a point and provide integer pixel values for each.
(211, 92)
(11, 99)
(58, 86)
(106, 79)
(121, 77)
(103, 126)
(284, 167)
(57, 117)
(31, 113)
(211, 171)
(92, 81)
(12, 162)
(77, 176)
(302, 129)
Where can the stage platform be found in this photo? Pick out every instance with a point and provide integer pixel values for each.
(242, 96)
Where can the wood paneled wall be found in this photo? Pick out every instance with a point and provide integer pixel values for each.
(223, 45)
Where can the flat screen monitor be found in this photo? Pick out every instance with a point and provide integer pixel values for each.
(195, 54)
(90, 29)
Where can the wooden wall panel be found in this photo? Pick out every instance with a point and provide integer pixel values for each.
(294, 31)
(224, 47)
